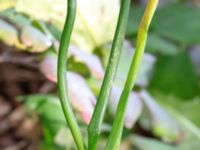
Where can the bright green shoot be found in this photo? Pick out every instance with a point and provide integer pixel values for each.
(117, 129)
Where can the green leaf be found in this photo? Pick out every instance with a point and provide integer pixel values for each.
(163, 124)
(143, 143)
(47, 106)
(187, 114)
(65, 139)
(159, 45)
(175, 75)
(188, 109)
(50, 146)
(18, 19)
(50, 112)
(178, 22)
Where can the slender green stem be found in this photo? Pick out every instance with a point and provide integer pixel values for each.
(117, 129)
(98, 115)
(62, 72)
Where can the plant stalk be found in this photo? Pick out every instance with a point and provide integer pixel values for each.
(98, 115)
(113, 142)
(62, 72)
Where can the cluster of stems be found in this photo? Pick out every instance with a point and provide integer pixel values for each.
(98, 115)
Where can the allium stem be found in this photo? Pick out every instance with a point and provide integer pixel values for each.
(98, 115)
(62, 72)
(117, 129)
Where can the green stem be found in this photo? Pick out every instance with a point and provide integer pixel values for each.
(117, 129)
(98, 115)
(62, 72)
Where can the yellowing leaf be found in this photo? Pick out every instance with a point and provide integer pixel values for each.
(5, 4)
(92, 61)
(80, 95)
(9, 34)
(35, 39)
(95, 21)
(49, 67)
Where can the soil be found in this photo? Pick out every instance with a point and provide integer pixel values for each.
(19, 75)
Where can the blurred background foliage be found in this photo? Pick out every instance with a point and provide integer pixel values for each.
(163, 109)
